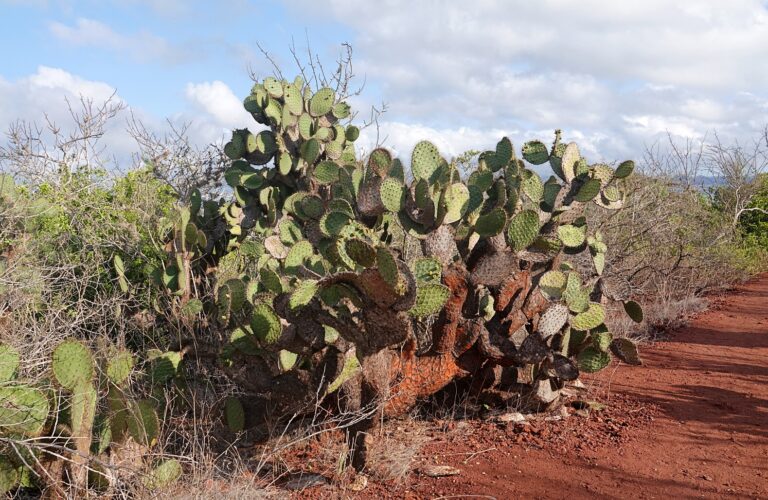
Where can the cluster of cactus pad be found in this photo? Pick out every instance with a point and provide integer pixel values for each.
(87, 409)
(338, 273)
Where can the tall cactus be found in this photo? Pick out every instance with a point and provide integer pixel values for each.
(422, 273)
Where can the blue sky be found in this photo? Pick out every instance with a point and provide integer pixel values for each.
(614, 76)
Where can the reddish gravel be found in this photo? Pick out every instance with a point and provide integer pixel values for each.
(691, 423)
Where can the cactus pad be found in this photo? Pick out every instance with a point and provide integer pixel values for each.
(425, 160)
(234, 414)
(553, 319)
(626, 350)
(552, 284)
(392, 194)
(164, 365)
(303, 294)
(535, 152)
(591, 318)
(430, 299)
(23, 410)
(72, 364)
(522, 230)
(332, 223)
(427, 270)
(571, 236)
(360, 251)
(143, 424)
(322, 102)
(326, 172)
(456, 200)
(491, 223)
(166, 473)
(119, 367)
(634, 311)
(9, 362)
(601, 340)
(265, 323)
(588, 190)
(592, 360)
(287, 360)
(624, 169)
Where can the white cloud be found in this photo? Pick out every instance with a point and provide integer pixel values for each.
(217, 100)
(615, 73)
(142, 46)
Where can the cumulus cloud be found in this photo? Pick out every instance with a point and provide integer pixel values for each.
(617, 74)
(142, 46)
(218, 100)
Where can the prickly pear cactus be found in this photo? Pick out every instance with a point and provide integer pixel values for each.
(422, 273)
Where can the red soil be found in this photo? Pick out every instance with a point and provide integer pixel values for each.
(692, 422)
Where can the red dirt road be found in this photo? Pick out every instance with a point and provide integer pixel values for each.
(703, 396)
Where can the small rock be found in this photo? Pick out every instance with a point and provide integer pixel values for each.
(511, 417)
(439, 470)
(360, 482)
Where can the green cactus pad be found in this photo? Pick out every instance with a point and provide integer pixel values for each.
(232, 293)
(480, 180)
(350, 368)
(286, 360)
(535, 152)
(602, 340)
(265, 323)
(430, 299)
(532, 186)
(602, 172)
(9, 363)
(162, 476)
(599, 260)
(273, 87)
(297, 254)
(293, 100)
(592, 360)
(312, 206)
(568, 163)
(571, 236)
(456, 201)
(522, 230)
(303, 294)
(72, 364)
(361, 252)
(143, 424)
(234, 414)
(492, 223)
(588, 190)
(341, 110)
(392, 194)
(387, 266)
(634, 311)
(626, 350)
(553, 319)
(352, 133)
(326, 172)
(333, 223)
(290, 231)
(427, 270)
(120, 366)
(306, 125)
(23, 410)
(425, 161)
(504, 151)
(322, 102)
(9, 472)
(310, 150)
(164, 365)
(624, 169)
(591, 318)
(552, 284)
(380, 161)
